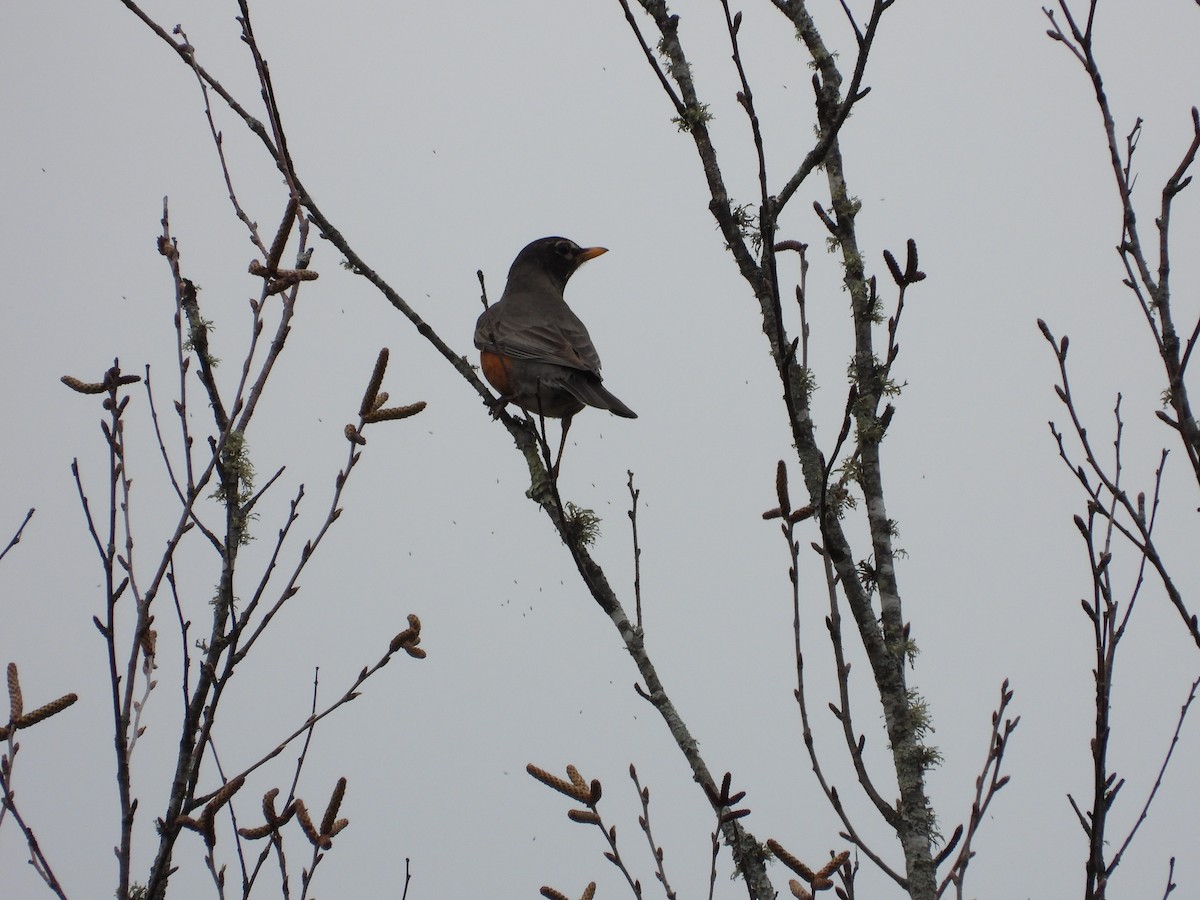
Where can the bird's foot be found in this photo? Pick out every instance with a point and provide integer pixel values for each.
(496, 406)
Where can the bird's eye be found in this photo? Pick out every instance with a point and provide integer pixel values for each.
(564, 248)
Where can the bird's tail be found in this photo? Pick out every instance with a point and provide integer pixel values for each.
(593, 393)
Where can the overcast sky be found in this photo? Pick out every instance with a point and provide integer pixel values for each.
(442, 138)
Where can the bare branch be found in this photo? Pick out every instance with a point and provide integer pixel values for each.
(16, 538)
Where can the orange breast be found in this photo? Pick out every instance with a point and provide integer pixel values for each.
(496, 369)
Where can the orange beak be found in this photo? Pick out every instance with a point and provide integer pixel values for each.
(591, 253)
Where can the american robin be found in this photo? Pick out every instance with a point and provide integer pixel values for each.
(533, 349)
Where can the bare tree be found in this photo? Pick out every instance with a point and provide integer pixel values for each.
(844, 515)
(864, 580)
(1119, 521)
(213, 481)
(861, 580)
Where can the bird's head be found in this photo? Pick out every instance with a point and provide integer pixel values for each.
(557, 257)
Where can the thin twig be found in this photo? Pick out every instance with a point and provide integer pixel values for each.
(352, 693)
(218, 142)
(987, 785)
(634, 494)
(1155, 301)
(16, 538)
(1170, 879)
(37, 859)
(1162, 770)
(166, 457)
(830, 131)
(644, 821)
(1138, 531)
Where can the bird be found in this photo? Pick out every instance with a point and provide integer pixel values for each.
(533, 349)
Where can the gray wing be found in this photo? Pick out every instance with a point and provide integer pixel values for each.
(520, 330)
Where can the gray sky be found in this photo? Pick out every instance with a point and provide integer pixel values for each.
(440, 143)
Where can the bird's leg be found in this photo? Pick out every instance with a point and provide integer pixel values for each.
(561, 446)
(496, 405)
